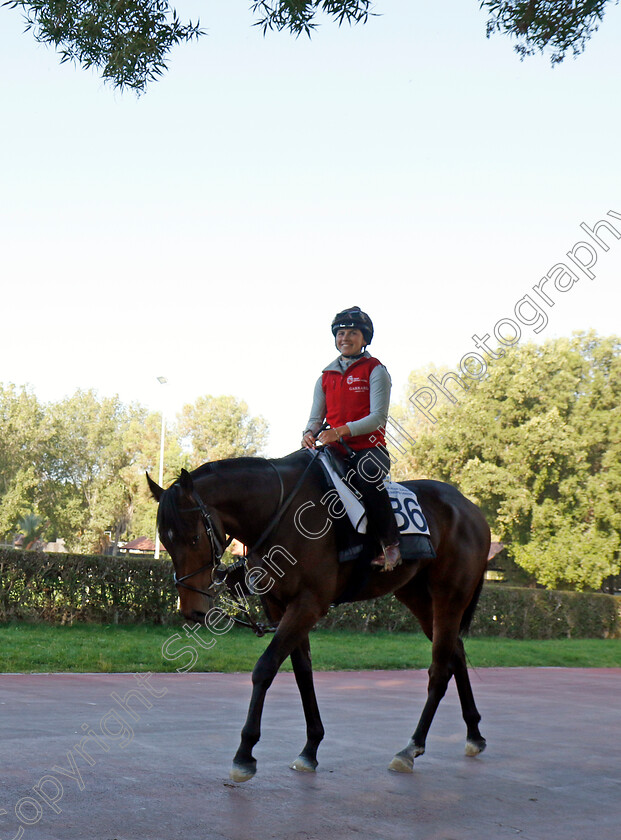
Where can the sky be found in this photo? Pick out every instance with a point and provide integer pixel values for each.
(209, 230)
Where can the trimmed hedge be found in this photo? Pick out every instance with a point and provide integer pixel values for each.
(517, 613)
(64, 588)
(503, 611)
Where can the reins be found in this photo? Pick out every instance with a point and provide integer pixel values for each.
(280, 512)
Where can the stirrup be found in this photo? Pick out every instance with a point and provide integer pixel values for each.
(389, 559)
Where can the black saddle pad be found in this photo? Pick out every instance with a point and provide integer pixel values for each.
(363, 548)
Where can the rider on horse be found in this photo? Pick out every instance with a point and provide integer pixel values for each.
(353, 395)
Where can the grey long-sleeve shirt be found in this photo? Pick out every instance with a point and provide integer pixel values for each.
(380, 385)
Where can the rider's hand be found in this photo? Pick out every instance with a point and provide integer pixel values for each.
(308, 441)
(329, 436)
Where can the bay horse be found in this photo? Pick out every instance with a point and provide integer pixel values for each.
(278, 508)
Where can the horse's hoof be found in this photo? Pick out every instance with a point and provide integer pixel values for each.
(304, 765)
(242, 772)
(475, 747)
(402, 764)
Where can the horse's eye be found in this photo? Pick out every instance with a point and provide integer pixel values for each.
(195, 540)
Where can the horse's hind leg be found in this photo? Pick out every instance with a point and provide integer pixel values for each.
(475, 742)
(302, 668)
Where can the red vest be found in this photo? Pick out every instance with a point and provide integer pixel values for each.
(347, 398)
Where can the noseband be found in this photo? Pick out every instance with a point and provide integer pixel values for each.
(217, 550)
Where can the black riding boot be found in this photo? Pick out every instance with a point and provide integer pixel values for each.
(371, 467)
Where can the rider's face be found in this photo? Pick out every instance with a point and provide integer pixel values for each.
(349, 341)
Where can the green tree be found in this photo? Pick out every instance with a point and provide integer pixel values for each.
(129, 41)
(142, 444)
(537, 443)
(83, 493)
(23, 439)
(80, 463)
(221, 427)
(404, 463)
(31, 527)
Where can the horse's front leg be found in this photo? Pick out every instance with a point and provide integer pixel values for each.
(292, 630)
(303, 670)
(244, 764)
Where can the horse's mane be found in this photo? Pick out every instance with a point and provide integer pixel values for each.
(248, 463)
(215, 467)
(168, 514)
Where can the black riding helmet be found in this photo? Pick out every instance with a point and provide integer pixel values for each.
(353, 318)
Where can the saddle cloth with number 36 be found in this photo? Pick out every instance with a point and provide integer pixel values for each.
(355, 544)
(408, 513)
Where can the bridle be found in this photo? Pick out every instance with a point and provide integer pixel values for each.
(218, 547)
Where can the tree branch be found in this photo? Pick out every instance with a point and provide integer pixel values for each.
(128, 41)
(557, 26)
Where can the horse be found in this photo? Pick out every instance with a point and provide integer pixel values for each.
(281, 503)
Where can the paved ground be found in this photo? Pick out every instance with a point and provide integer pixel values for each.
(552, 770)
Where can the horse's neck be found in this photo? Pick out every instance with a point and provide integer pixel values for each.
(245, 495)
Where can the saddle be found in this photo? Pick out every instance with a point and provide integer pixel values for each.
(353, 541)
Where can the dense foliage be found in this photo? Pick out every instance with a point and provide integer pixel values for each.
(129, 41)
(78, 465)
(537, 444)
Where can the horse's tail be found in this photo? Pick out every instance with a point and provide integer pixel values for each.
(470, 610)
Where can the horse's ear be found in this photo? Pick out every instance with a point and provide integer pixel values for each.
(185, 481)
(156, 490)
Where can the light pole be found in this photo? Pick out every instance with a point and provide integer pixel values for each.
(156, 554)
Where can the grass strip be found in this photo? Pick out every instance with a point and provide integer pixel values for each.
(30, 648)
